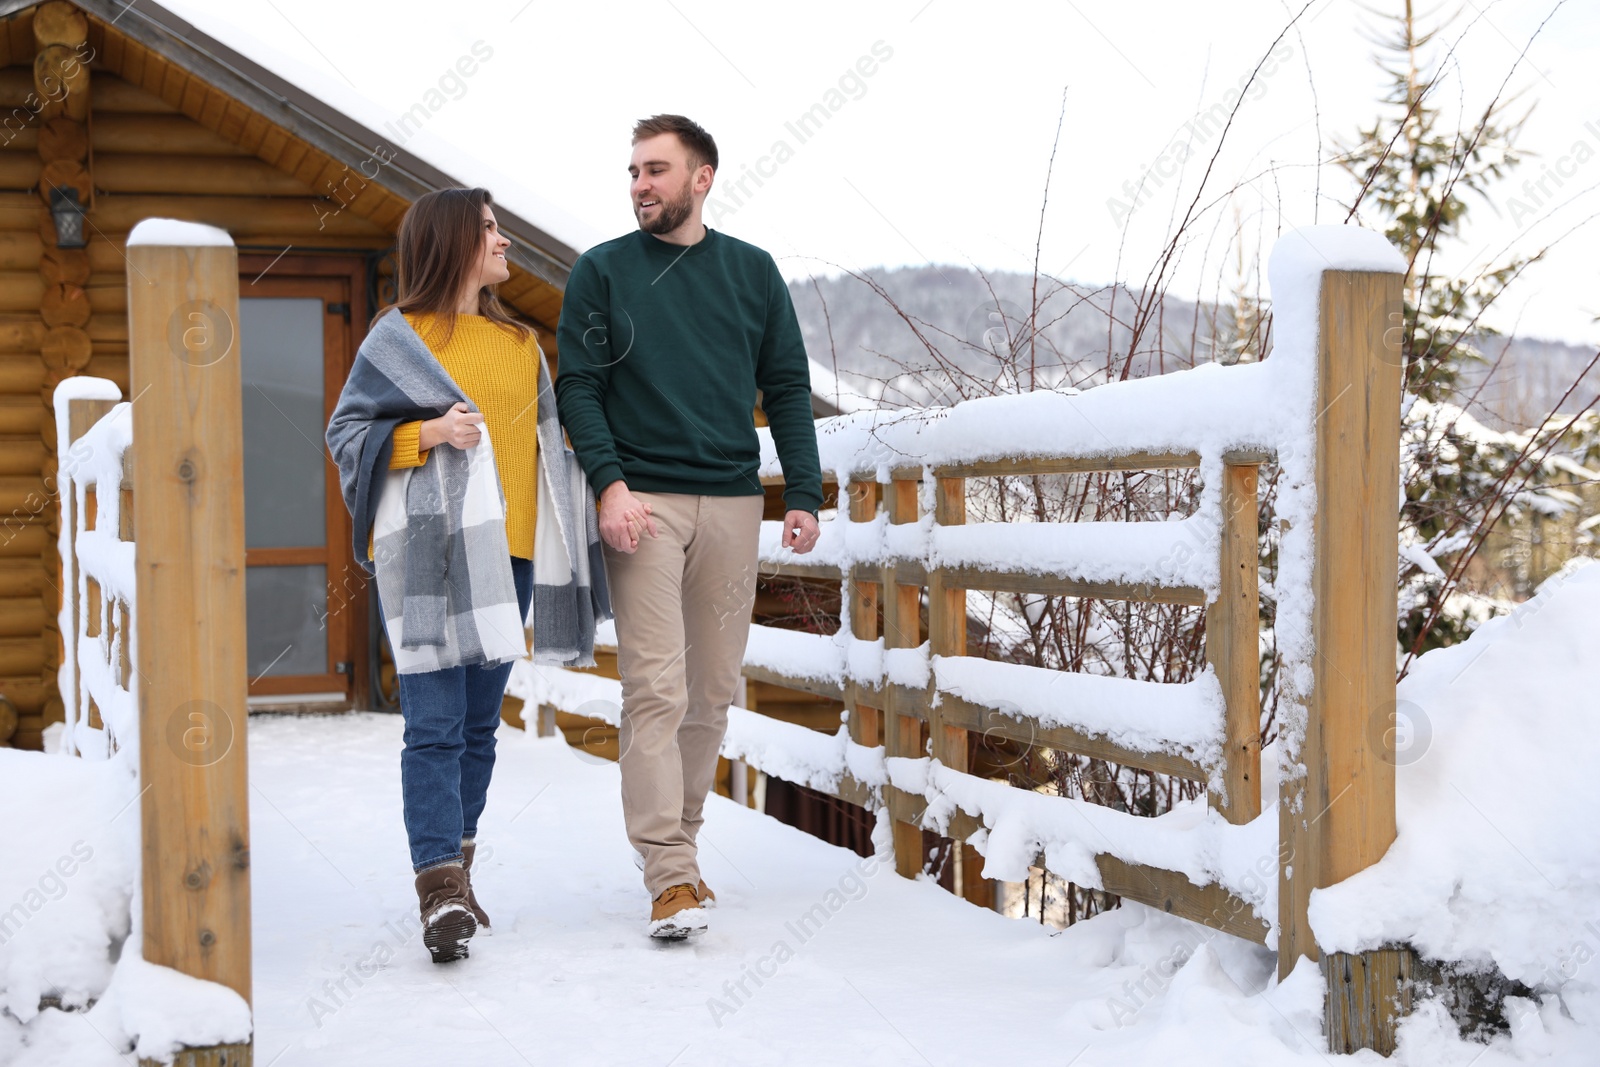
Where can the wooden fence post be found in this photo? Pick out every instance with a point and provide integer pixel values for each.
(1339, 818)
(183, 305)
(1233, 646)
(902, 734)
(81, 415)
(947, 636)
(866, 720)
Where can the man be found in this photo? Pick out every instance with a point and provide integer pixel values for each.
(666, 336)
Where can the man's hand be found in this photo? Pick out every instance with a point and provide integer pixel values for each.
(457, 427)
(800, 531)
(623, 517)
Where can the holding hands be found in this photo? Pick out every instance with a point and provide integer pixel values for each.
(623, 517)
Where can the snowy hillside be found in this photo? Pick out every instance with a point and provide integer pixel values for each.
(973, 319)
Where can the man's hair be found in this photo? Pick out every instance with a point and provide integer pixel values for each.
(701, 148)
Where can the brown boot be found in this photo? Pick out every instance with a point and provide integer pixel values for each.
(467, 849)
(447, 922)
(676, 914)
(704, 895)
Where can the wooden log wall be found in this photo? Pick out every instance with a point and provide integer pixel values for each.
(44, 315)
(83, 106)
(130, 154)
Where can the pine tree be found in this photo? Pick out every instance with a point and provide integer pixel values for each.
(1419, 175)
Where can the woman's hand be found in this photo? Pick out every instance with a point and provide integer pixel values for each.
(457, 427)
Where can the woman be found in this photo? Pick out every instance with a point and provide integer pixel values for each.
(452, 464)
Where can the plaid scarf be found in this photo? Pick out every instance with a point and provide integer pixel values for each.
(440, 555)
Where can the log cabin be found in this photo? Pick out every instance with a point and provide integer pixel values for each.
(111, 113)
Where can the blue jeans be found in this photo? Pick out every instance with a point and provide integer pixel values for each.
(451, 717)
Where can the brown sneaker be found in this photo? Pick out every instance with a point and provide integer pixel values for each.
(704, 895)
(447, 922)
(676, 914)
(467, 849)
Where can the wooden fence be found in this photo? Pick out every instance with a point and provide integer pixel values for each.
(907, 722)
(1333, 823)
(154, 614)
(1340, 818)
(1334, 819)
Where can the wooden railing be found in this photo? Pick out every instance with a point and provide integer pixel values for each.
(908, 722)
(97, 569)
(153, 617)
(1328, 415)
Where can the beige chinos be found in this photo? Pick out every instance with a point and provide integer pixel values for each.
(682, 602)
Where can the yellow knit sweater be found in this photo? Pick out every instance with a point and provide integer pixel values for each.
(501, 376)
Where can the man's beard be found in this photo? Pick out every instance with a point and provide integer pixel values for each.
(673, 213)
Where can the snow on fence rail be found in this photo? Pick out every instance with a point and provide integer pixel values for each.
(1325, 409)
(93, 431)
(154, 624)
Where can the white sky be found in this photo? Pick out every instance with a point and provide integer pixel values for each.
(940, 154)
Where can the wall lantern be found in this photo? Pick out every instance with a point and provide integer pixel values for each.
(67, 211)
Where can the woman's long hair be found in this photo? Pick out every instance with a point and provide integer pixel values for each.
(439, 244)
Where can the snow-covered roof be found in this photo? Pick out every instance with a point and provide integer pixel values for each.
(332, 116)
(212, 42)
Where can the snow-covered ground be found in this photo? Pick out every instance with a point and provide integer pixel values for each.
(815, 956)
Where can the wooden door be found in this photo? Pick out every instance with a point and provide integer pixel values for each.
(306, 602)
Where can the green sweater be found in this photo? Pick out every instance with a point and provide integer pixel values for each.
(662, 349)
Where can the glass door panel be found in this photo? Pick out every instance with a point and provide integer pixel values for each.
(282, 371)
(286, 608)
(292, 343)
